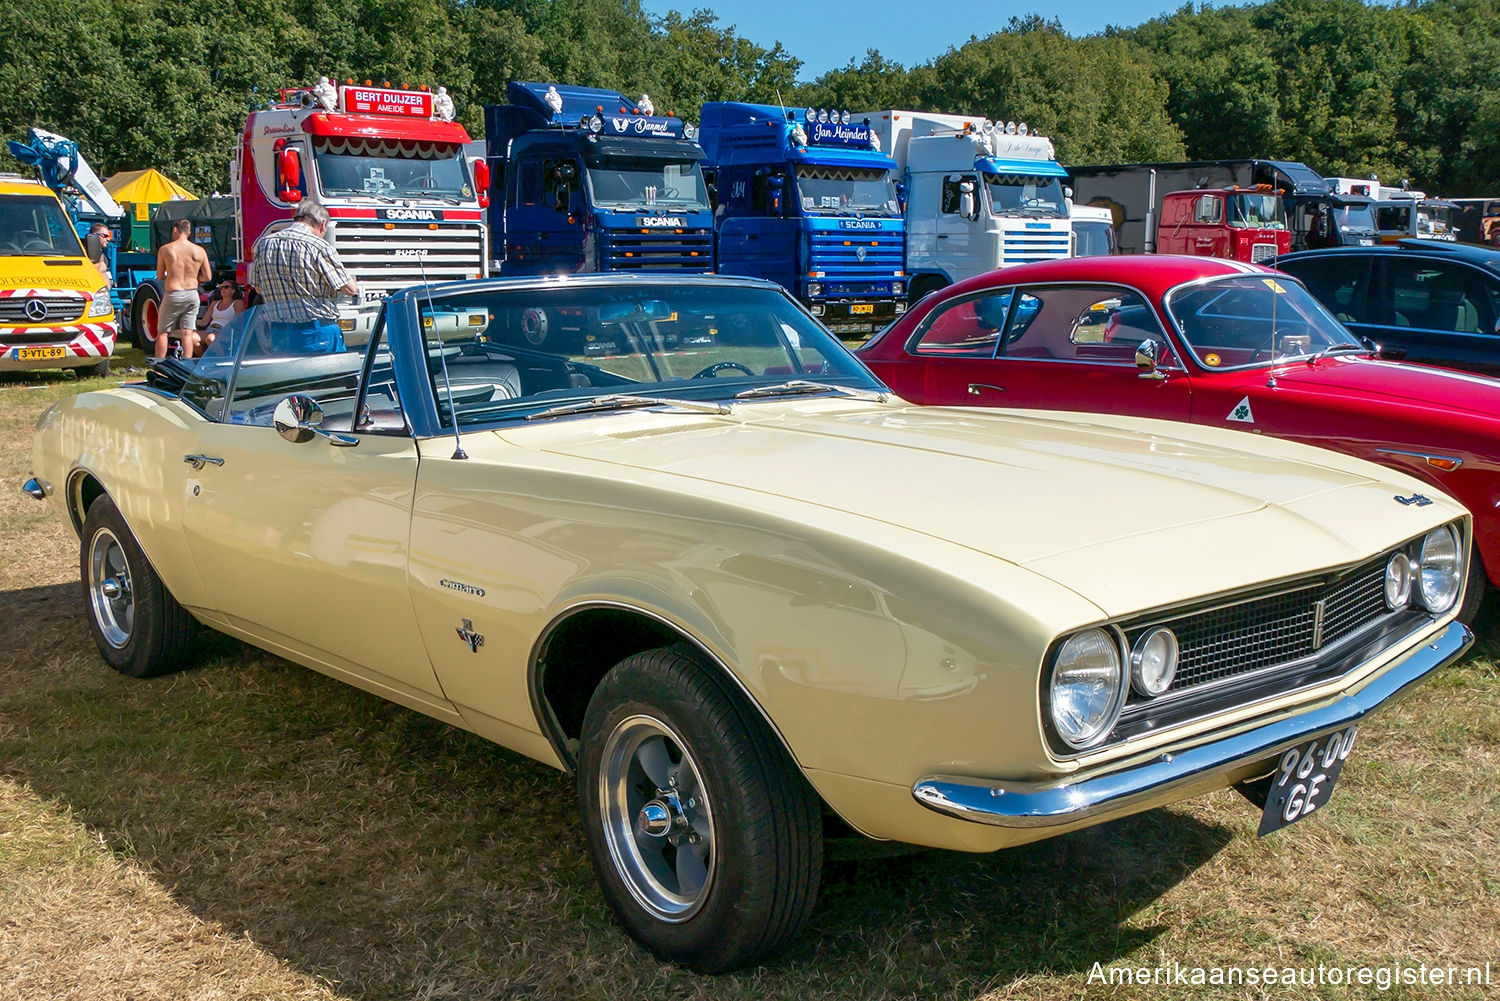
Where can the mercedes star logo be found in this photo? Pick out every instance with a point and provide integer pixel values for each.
(35, 309)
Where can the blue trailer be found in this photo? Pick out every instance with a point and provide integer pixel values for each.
(588, 180)
(808, 199)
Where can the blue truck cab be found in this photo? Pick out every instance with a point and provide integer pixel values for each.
(592, 181)
(807, 199)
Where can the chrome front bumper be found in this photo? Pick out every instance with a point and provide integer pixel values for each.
(1068, 801)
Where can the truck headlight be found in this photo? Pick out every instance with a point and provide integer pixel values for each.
(100, 304)
(1086, 688)
(1440, 569)
(814, 288)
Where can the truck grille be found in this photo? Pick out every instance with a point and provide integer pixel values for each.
(1026, 246)
(388, 259)
(60, 309)
(657, 250)
(1262, 252)
(859, 256)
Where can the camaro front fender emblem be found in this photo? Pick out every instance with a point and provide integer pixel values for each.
(1418, 499)
(468, 635)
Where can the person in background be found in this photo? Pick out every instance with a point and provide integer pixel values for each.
(182, 266)
(299, 276)
(225, 305)
(97, 247)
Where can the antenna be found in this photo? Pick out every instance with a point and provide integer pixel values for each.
(779, 104)
(458, 445)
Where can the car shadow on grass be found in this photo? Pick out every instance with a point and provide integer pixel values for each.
(391, 855)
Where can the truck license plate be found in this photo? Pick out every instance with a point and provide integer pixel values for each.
(860, 308)
(40, 354)
(1304, 779)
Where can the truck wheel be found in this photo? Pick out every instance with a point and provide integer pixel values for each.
(706, 838)
(145, 308)
(139, 627)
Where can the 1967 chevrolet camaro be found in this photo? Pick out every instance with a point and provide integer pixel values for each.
(666, 533)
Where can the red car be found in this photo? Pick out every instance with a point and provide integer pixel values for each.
(1203, 340)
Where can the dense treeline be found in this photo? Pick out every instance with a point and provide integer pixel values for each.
(1404, 91)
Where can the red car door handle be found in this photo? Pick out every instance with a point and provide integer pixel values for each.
(976, 387)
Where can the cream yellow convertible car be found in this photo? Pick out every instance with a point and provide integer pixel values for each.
(667, 534)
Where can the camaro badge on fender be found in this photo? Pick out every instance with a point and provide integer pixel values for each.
(1419, 500)
(468, 635)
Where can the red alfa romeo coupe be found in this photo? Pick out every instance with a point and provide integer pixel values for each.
(1207, 341)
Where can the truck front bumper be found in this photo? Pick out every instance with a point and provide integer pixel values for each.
(69, 346)
(1218, 763)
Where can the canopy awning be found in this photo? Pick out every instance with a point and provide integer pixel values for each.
(149, 186)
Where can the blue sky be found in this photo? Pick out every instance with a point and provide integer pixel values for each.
(827, 35)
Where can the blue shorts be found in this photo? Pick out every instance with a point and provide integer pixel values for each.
(307, 337)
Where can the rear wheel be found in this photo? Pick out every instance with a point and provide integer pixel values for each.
(145, 309)
(139, 627)
(705, 837)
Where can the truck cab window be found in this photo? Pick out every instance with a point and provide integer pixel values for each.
(954, 188)
(1208, 210)
(528, 183)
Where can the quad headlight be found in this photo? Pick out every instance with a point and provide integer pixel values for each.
(1087, 689)
(1398, 577)
(1153, 662)
(1440, 569)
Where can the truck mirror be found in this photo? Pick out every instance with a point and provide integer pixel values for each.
(482, 181)
(774, 184)
(289, 172)
(966, 205)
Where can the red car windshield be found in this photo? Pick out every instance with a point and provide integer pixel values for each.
(1250, 321)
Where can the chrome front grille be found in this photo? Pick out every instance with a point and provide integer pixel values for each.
(387, 256)
(1259, 633)
(60, 309)
(1262, 252)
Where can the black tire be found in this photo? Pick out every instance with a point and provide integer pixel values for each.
(98, 371)
(145, 309)
(1475, 590)
(922, 286)
(760, 818)
(139, 627)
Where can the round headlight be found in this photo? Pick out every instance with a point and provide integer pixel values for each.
(596, 124)
(1086, 690)
(1440, 569)
(1153, 662)
(1398, 582)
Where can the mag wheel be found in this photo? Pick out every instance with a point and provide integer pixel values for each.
(705, 836)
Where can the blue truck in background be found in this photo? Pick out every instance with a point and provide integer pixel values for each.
(588, 180)
(807, 199)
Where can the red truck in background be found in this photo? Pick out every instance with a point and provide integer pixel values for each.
(1241, 224)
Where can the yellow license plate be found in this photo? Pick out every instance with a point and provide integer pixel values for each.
(40, 354)
(862, 308)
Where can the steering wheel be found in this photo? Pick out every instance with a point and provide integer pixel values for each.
(720, 366)
(668, 192)
(29, 239)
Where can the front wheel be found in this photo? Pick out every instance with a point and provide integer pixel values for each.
(705, 837)
(139, 627)
(145, 310)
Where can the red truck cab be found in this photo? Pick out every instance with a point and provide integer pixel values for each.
(1241, 224)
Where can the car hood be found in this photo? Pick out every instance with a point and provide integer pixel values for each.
(1127, 512)
(1399, 382)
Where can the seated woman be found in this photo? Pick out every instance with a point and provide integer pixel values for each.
(225, 305)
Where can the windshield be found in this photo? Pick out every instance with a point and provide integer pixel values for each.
(1256, 212)
(436, 172)
(1022, 195)
(647, 185)
(35, 226)
(846, 190)
(1434, 221)
(1093, 238)
(1358, 219)
(1253, 321)
(510, 353)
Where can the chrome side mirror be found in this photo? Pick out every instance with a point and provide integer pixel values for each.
(299, 419)
(1148, 358)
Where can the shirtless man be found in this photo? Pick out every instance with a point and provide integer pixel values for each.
(182, 266)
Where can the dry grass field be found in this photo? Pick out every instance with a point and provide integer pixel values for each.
(249, 829)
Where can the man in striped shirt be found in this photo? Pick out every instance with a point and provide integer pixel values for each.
(299, 276)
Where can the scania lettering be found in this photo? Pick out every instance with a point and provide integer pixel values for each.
(588, 180)
(389, 165)
(807, 198)
(980, 195)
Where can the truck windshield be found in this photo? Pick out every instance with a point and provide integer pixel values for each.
(388, 175)
(846, 190)
(1092, 238)
(35, 226)
(1256, 212)
(1434, 221)
(647, 184)
(1355, 219)
(1025, 195)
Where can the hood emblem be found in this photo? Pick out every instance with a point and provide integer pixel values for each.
(468, 635)
(1418, 499)
(859, 253)
(35, 309)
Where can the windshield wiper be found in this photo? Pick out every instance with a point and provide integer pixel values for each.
(624, 402)
(801, 387)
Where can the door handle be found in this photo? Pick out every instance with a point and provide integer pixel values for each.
(975, 388)
(942, 236)
(199, 461)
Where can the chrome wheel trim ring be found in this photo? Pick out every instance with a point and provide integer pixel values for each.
(670, 886)
(111, 598)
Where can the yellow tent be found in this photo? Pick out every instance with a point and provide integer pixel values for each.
(146, 189)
